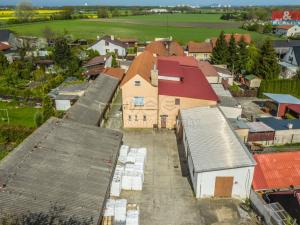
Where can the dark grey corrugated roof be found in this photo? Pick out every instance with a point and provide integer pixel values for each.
(212, 142)
(4, 35)
(90, 107)
(297, 54)
(285, 43)
(62, 162)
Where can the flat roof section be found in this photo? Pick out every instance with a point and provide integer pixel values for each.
(276, 171)
(62, 162)
(212, 142)
(283, 98)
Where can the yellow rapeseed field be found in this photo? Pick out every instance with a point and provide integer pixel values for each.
(10, 14)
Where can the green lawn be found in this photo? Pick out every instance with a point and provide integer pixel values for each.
(18, 115)
(212, 18)
(89, 29)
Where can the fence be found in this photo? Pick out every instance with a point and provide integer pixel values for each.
(273, 213)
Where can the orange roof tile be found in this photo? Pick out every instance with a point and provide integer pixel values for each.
(4, 47)
(176, 49)
(157, 47)
(141, 65)
(207, 69)
(238, 37)
(283, 27)
(200, 47)
(276, 170)
(114, 72)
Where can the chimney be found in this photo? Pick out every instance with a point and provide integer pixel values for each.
(112, 37)
(154, 76)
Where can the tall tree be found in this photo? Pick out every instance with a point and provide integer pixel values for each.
(103, 13)
(220, 52)
(297, 76)
(268, 67)
(62, 52)
(233, 56)
(242, 55)
(252, 59)
(48, 33)
(24, 11)
(48, 109)
(3, 62)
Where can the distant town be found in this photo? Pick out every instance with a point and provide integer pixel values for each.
(149, 115)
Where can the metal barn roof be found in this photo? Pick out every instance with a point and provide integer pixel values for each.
(62, 162)
(90, 107)
(283, 98)
(212, 142)
(277, 171)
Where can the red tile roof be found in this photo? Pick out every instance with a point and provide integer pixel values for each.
(114, 72)
(238, 37)
(95, 61)
(283, 27)
(157, 47)
(161, 48)
(276, 170)
(169, 67)
(207, 69)
(192, 85)
(295, 108)
(4, 46)
(200, 47)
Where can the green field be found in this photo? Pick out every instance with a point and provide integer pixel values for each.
(182, 27)
(18, 115)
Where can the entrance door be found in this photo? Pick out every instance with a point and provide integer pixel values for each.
(223, 187)
(163, 121)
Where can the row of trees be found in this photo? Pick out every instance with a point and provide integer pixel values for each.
(244, 59)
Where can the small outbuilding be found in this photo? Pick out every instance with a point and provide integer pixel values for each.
(286, 131)
(219, 163)
(279, 103)
(252, 81)
(260, 133)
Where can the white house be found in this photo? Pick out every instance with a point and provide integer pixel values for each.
(219, 163)
(293, 31)
(108, 44)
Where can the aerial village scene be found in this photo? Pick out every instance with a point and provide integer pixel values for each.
(168, 112)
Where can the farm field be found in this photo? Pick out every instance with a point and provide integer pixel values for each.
(182, 27)
(18, 115)
(10, 14)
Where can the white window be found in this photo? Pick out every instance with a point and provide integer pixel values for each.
(137, 83)
(136, 118)
(138, 101)
(144, 118)
(129, 118)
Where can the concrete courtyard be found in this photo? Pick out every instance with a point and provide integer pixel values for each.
(167, 197)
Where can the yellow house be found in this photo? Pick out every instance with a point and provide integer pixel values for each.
(200, 50)
(139, 95)
(155, 89)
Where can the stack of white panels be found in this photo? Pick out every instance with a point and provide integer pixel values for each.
(116, 184)
(123, 153)
(120, 211)
(132, 217)
(109, 207)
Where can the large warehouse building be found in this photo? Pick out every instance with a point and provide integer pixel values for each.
(219, 163)
(62, 162)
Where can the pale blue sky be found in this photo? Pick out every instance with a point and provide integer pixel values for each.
(153, 2)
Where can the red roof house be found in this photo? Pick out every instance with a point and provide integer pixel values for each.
(277, 171)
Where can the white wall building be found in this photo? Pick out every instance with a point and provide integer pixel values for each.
(108, 44)
(219, 163)
(293, 31)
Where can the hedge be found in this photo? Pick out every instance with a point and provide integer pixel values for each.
(291, 87)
